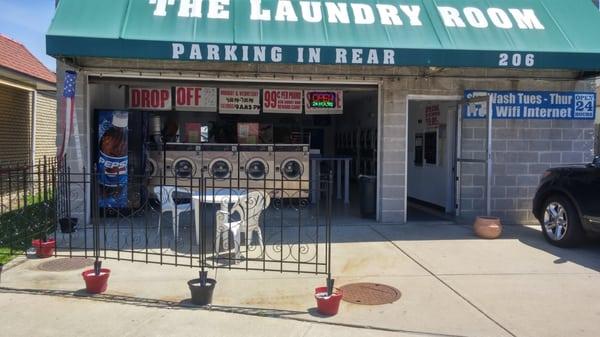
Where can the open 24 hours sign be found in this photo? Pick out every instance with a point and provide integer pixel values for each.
(324, 102)
(534, 105)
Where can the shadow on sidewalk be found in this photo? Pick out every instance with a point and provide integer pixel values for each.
(586, 255)
(187, 305)
(151, 303)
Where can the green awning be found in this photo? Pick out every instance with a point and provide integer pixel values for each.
(555, 34)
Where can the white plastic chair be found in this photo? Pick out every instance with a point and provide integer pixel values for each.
(249, 208)
(167, 203)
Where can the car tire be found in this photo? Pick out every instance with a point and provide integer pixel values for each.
(560, 222)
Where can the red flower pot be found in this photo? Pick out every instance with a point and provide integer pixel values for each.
(44, 249)
(328, 305)
(96, 284)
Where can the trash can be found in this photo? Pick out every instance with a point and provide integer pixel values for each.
(367, 185)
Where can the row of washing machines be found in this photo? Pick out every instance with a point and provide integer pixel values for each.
(280, 170)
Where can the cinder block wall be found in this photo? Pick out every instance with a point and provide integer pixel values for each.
(523, 150)
(518, 167)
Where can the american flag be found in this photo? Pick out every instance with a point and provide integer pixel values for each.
(68, 101)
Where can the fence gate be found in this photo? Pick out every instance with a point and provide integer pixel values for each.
(200, 222)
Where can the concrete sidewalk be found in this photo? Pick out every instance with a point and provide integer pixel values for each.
(452, 284)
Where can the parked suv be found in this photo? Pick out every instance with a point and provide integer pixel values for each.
(567, 203)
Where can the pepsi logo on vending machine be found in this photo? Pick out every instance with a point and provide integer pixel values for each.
(113, 128)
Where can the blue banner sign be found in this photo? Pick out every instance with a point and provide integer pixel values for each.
(534, 105)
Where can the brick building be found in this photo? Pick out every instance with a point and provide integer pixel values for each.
(27, 105)
(410, 76)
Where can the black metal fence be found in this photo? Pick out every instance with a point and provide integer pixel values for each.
(28, 203)
(269, 224)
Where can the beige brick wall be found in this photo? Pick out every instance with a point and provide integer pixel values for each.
(45, 138)
(15, 123)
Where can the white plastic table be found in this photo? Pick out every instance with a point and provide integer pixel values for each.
(222, 196)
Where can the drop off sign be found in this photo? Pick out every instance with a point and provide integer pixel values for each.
(534, 105)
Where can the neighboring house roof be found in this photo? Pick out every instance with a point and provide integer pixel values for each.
(16, 57)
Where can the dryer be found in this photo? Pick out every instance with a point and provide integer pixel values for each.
(292, 171)
(220, 165)
(257, 167)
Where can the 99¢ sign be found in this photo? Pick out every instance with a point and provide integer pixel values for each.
(282, 101)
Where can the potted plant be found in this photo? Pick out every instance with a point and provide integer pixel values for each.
(487, 227)
(43, 247)
(328, 299)
(328, 304)
(68, 225)
(202, 289)
(96, 279)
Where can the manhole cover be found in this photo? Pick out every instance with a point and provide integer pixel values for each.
(66, 264)
(370, 293)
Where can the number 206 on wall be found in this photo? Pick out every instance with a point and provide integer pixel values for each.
(516, 60)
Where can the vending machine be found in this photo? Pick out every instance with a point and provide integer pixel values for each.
(113, 158)
(121, 159)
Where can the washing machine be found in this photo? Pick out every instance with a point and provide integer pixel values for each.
(154, 168)
(184, 168)
(292, 171)
(220, 165)
(257, 167)
(183, 163)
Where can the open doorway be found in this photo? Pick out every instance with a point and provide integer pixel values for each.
(299, 133)
(431, 165)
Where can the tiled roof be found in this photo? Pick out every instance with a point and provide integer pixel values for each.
(16, 57)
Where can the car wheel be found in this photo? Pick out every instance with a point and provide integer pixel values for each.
(560, 222)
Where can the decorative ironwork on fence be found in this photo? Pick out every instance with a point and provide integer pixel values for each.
(28, 206)
(201, 222)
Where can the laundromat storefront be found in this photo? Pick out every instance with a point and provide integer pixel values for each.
(392, 61)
